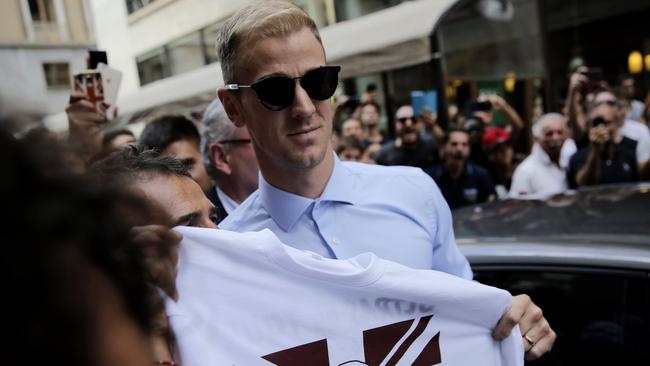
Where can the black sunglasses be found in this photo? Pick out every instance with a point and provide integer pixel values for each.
(404, 119)
(235, 141)
(599, 121)
(276, 92)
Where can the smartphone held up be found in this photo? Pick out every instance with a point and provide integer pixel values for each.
(99, 83)
(90, 84)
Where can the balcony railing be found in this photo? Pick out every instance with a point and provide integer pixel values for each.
(46, 32)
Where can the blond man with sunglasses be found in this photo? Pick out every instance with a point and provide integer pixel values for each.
(278, 84)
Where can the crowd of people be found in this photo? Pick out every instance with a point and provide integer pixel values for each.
(93, 210)
(601, 136)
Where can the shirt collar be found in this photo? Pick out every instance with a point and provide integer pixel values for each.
(286, 208)
(341, 185)
(228, 203)
(540, 154)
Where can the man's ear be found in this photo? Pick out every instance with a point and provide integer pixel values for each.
(219, 159)
(232, 106)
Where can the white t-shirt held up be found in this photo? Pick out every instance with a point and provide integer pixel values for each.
(246, 299)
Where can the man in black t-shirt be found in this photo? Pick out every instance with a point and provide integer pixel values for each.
(460, 181)
(610, 157)
(409, 148)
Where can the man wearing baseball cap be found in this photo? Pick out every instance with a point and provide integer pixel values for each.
(497, 147)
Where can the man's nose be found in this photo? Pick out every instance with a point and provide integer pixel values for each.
(303, 105)
(206, 222)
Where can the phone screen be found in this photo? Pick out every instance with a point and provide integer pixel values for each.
(423, 99)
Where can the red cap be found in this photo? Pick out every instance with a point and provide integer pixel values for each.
(493, 137)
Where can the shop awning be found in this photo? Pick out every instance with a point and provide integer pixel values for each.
(384, 40)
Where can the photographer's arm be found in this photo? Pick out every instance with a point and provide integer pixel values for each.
(85, 126)
(510, 113)
(573, 109)
(430, 119)
(590, 173)
(438, 133)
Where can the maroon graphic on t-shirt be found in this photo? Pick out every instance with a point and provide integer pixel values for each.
(378, 343)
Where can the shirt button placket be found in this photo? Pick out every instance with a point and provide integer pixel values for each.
(331, 241)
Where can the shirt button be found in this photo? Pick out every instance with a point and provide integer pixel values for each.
(336, 241)
(315, 255)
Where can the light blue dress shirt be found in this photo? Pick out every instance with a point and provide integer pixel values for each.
(396, 212)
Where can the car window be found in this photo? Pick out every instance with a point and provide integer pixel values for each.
(601, 317)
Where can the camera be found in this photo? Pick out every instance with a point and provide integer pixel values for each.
(594, 79)
(476, 106)
(598, 121)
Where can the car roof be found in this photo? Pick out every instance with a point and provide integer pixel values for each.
(496, 253)
(604, 226)
(610, 214)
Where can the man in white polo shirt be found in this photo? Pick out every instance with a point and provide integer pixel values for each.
(543, 172)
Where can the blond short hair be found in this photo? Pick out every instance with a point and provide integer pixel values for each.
(258, 20)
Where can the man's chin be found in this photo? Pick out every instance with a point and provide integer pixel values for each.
(553, 152)
(306, 160)
(410, 138)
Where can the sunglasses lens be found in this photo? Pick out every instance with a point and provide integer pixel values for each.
(275, 92)
(404, 119)
(598, 121)
(321, 83)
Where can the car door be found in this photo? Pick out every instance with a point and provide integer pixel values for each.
(600, 315)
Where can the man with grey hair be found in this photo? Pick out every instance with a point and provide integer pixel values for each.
(629, 128)
(543, 172)
(610, 157)
(229, 160)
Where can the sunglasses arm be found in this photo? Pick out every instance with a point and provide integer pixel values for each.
(235, 86)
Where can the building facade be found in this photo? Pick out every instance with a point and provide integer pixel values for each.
(42, 42)
(165, 48)
(520, 49)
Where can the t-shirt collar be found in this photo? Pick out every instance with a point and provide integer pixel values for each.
(286, 208)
